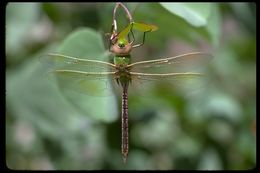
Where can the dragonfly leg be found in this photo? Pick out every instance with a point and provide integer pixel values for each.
(138, 45)
(128, 37)
(132, 34)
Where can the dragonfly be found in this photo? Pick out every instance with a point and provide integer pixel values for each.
(123, 72)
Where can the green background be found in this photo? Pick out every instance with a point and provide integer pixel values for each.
(48, 128)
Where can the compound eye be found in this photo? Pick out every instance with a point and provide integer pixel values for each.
(121, 45)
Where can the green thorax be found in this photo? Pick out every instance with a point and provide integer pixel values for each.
(122, 60)
(123, 75)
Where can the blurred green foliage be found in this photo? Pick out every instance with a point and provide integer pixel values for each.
(48, 128)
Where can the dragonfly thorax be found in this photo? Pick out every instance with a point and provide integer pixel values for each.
(123, 77)
(122, 74)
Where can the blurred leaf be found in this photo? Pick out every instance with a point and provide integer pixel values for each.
(246, 13)
(20, 18)
(196, 14)
(83, 43)
(221, 131)
(30, 96)
(210, 161)
(214, 25)
(186, 146)
(223, 106)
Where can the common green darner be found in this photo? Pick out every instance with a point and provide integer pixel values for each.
(123, 71)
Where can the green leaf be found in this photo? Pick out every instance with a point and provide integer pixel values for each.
(213, 25)
(83, 43)
(31, 97)
(144, 27)
(138, 26)
(203, 15)
(210, 160)
(20, 18)
(194, 13)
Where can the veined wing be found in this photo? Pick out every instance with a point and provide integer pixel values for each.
(58, 61)
(166, 76)
(186, 83)
(90, 83)
(179, 64)
(174, 78)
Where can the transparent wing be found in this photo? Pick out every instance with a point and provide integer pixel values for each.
(90, 77)
(90, 83)
(179, 64)
(58, 61)
(187, 83)
(176, 79)
(163, 77)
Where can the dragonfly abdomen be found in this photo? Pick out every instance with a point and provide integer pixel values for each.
(124, 123)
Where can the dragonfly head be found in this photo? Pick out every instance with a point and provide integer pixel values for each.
(121, 47)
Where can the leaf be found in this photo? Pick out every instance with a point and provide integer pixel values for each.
(204, 16)
(83, 43)
(213, 25)
(194, 13)
(20, 18)
(210, 160)
(138, 26)
(144, 27)
(32, 98)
